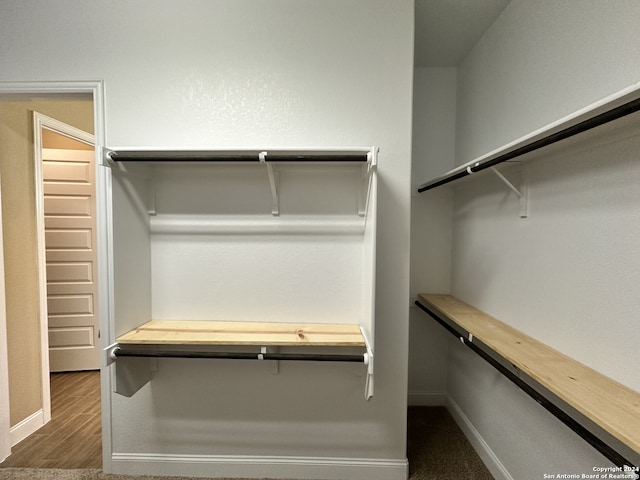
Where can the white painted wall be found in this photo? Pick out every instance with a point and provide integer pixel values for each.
(434, 113)
(252, 74)
(541, 61)
(567, 275)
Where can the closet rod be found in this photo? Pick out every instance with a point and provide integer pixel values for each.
(552, 408)
(596, 121)
(118, 352)
(204, 156)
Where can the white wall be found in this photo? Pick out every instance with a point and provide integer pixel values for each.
(252, 74)
(541, 61)
(434, 113)
(567, 275)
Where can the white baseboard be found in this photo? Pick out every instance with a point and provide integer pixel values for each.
(483, 449)
(427, 399)
(26, 427)
(312, 468)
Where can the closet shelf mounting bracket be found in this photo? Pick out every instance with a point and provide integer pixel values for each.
(274, 178)
(363, 190)
(522, 193)
(123, 176)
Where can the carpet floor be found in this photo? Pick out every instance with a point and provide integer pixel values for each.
(437, 450)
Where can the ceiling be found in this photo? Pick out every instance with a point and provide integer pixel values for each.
(446, 30)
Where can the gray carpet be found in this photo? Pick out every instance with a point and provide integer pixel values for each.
(437, 450)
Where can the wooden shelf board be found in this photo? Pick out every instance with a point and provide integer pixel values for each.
(609, 404)
(186, 332)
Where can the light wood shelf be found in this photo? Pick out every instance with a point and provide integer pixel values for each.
(607, 403)
(184, 332)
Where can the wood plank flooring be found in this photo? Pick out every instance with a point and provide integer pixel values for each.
(72, 439)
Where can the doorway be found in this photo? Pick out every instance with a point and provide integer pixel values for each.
(66, 212)
(29, 407)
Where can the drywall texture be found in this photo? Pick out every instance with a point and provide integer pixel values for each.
(434, 112)
(246, 74)
(568, 274)
(20, 248)
(539, 62)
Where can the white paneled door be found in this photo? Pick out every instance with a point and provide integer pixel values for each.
(71, 258)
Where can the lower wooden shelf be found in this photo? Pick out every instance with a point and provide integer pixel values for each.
(181, 339)
(610, 405)
(183, 332)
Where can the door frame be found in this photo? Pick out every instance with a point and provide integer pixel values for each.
(58, 89)
(5, 422)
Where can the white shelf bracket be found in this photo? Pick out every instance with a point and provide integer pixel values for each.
(121, 174)
(109, 353)
(363, 188)
(522, 193)
(274, 180)
(151, 197)
(368, 361)
(276, 363)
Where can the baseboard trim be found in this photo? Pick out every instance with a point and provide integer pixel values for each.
(26, 427)
(483, 449)
(427, 399)
(311, 468)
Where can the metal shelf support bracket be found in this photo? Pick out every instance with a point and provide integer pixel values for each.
(274, 180)
(522, 193)
(368, 361)
(365, 180)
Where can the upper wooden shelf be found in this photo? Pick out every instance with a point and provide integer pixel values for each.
(183, 332)
(607, 403)
(611, 108)
(297, 155)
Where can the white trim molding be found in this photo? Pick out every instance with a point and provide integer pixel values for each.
(483, 449)
(311, 468)
(427, 398)
(26, 427)
(5, 423)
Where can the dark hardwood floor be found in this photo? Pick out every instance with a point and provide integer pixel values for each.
(72, 439)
